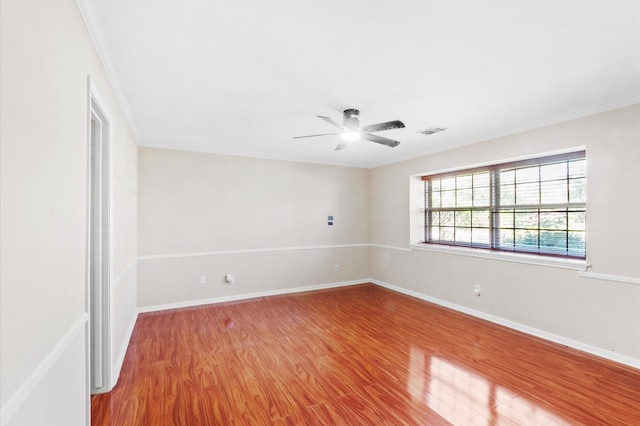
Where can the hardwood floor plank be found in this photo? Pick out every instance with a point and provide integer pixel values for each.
(356, 355)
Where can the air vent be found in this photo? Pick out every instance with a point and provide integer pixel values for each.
(432, 130)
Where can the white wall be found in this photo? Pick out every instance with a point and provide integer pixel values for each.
(124, 242)
(603, 314)
(46, 57)
(206, 214)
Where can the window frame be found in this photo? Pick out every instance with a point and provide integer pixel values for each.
(494, 208)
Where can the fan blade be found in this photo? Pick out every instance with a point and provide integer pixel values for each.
(313, 136)
(379, 139)
(341, 145)
(388, 125)
(330, 121)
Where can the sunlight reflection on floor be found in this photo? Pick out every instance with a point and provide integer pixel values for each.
(462, 397)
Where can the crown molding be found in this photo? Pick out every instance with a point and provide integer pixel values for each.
(91, 22)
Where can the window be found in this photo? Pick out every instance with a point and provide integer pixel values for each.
(531, 206)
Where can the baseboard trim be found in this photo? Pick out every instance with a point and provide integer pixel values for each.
(245, 296)
(593, 350)
(117, 366)
(16, 400)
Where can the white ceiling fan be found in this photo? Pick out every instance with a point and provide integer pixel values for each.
(350, 130)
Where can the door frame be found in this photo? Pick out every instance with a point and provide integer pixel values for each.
(99, 244)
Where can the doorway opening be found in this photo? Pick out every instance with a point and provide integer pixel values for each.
(99, 248)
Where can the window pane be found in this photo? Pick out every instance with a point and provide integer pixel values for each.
(507, 176)
(446, 234)
(576, 244)
(507, 195)
(463, 181)
(526, 240)
(528, 193)
(556, 171)
(480, 218)
(481, 179)
(446, 218)
(480, 236)
(578, 190)
(464, 198)
(448, 198)
(448, 183)
(578, 168)
(481, 196)
(435, 199)
(554, 192)
(435, 184)
(553, 241)
(576, 221)
(463, 218)
(435, 219)
(506, 239)
(528, 174)
(463, 235)
(435, 233)
(506, 219)
(553, 220)
(526, 219)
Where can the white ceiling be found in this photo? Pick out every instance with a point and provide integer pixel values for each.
(242, 77)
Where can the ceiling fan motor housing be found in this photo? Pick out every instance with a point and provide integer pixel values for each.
(351, 119)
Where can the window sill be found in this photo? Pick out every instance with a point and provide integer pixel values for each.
(531, 259)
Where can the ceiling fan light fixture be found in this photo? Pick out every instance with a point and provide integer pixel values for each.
(351, 130)
(350, 136)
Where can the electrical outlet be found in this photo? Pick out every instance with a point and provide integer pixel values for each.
(203, 279)
(336, 267)
(228, 279)
(476, 290)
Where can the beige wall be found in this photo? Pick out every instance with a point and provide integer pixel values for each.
(46, 57)
(604, 314)
(191, 203)
(204, 214)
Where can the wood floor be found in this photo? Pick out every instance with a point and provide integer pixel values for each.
(359, 355)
